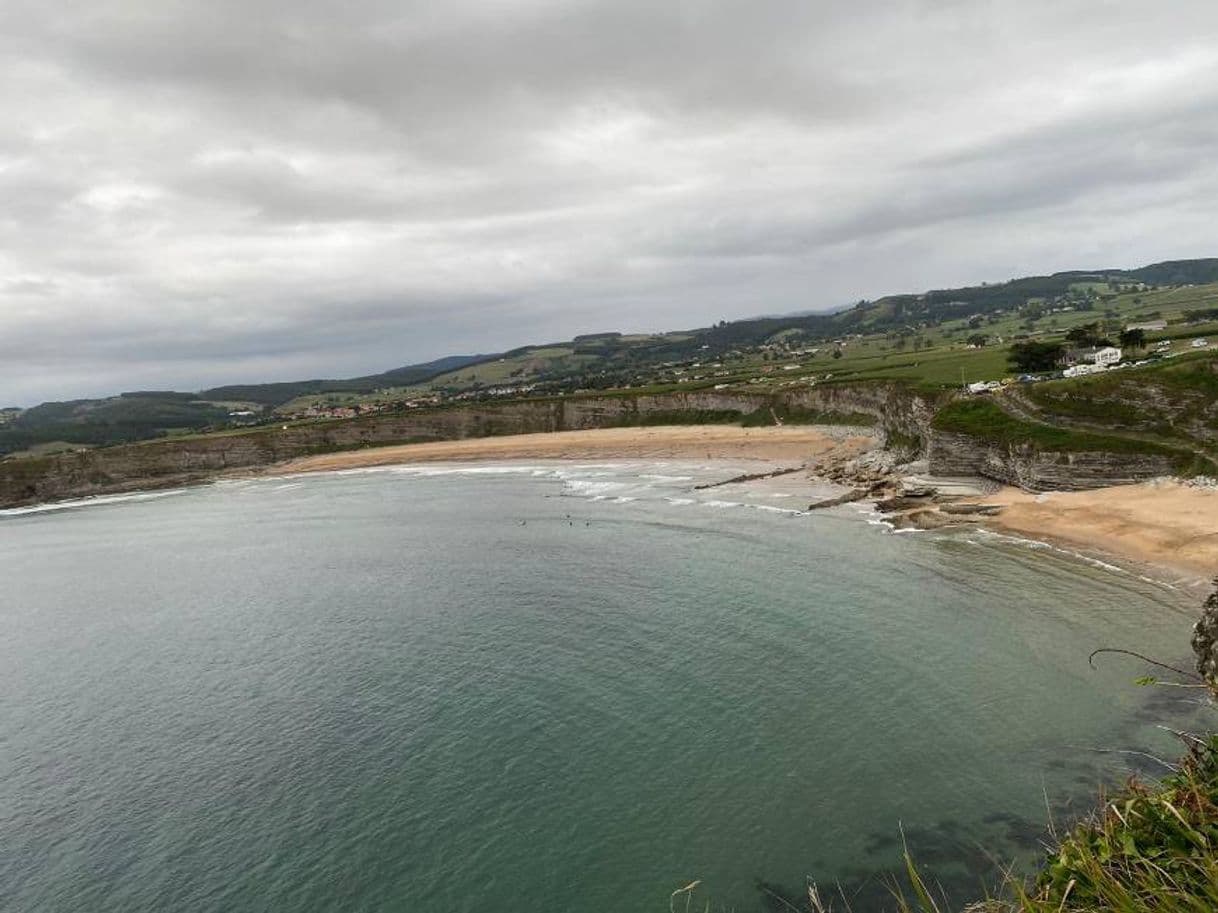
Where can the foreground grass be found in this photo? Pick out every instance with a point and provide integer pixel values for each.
(1150, 848)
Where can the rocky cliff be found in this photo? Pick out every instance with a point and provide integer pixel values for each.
(892, 407)
(1205, 640)
(954, 454)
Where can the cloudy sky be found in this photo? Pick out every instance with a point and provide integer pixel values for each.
(201, 191)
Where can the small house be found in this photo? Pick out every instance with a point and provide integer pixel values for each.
(1101, 357)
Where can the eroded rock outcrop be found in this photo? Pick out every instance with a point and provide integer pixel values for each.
(954, 454)
(1205, 639)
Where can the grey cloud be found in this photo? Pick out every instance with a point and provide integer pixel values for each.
(195, 192)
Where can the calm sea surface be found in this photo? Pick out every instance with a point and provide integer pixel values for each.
(533, 688)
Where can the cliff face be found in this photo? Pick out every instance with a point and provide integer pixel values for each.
(896, 408)
(580, 413)
(952, 454)
(893, 407)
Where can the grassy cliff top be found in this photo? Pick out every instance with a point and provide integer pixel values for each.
(983, 419)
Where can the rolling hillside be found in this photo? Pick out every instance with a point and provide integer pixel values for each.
(937, 339)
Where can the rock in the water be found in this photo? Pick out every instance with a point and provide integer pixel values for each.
(856, 494)
(964, 510)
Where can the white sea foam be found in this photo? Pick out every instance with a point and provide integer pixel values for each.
(492, 470)
(982, 537)
(593, 487)
(770, 508)
(96, 501)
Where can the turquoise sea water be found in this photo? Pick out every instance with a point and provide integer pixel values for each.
(539, 688)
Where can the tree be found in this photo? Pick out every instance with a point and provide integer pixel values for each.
(1133, 338)
(1086, 335)
(1030, 357)
(837, 353)
(978, 340)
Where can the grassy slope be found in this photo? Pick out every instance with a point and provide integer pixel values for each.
(518, 368)
(1174, 401)
(1195, 375)
(984, 420)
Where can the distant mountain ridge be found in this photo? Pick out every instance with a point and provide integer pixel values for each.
(139, 415)
(894, 311)
(275, 394)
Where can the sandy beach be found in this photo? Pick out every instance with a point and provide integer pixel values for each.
(1168, 525)
(796, 445)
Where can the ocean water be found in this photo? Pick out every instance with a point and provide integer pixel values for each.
(542, 688)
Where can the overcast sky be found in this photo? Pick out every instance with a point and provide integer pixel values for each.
(203, 191)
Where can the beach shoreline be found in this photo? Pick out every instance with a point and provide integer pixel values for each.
(1167, 529)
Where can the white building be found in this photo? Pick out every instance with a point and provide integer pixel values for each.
(1103, 357)
(1200, 343)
